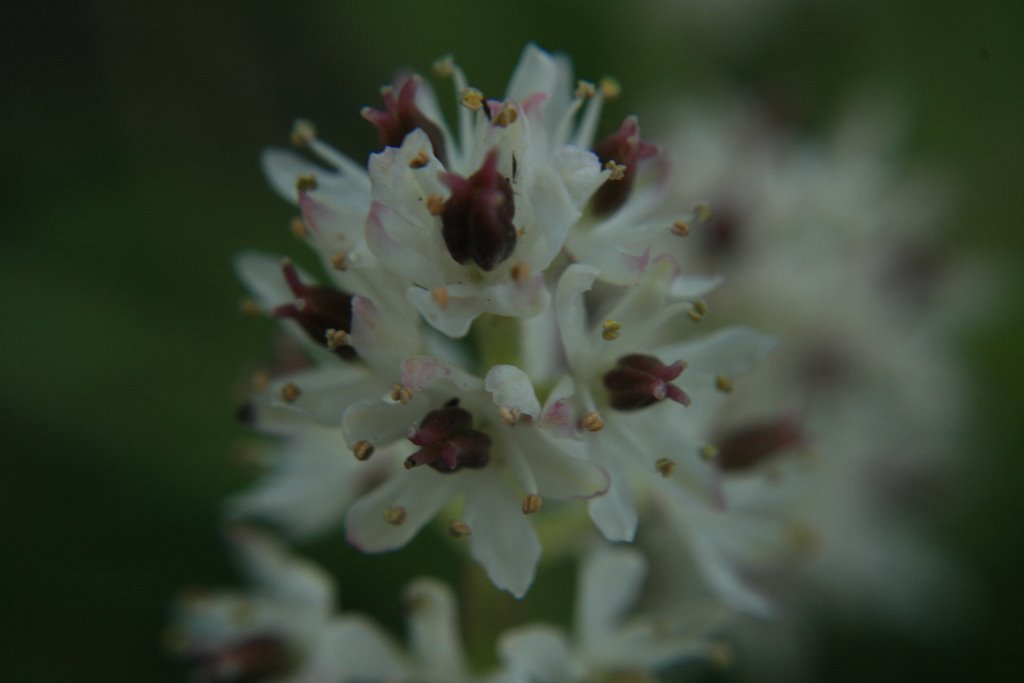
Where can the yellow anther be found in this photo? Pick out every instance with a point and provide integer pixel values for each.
(610, 87)
(708, 452)
(694, 314)
(303, 133)
(618, 170)
(336, 338)
(681, 228)
(420, 160)
(458, 529)
(585, 89)
(339, 261)
(509, 416)
(394, 515)
(440, 295)
(362, 450)
(508, 115)
(665, 466)
(592, 421)
(519, 271)
(298, 228)
(250, 309)
(306, 182)
(435, 204)
(260, 381)
(700, 306)
(290, 393)
(444, 67)
(531, 504)
(702, 211)
(401, 393)
(472, 99)
(610, 330)
(723, 384)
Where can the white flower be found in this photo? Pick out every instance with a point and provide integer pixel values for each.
(606, 641)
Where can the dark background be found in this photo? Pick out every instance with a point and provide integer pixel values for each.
(131, 139)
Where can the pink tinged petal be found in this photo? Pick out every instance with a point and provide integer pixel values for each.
(539, 653)
(383, 342)
(730, 352)
(334, 227)
(453, 317)
(434, 635)
(559, 474)
(503, 540)
(424, 372)
(418, 494)
(356, 648)
(511, 388)
(402, 247)
(570, 307)
(558, 419)
(610, 584)
(536, 72)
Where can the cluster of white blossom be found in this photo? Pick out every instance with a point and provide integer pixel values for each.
(510, 331)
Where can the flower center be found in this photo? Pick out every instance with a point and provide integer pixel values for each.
(477, 218)
(621, 152)
(401, 116)
(447, 441)
(638, 380)
(324, 313)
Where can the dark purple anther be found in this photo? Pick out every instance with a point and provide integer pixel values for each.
(638, 381)
(321, 311)
(477, 218)
(723, 231)
(744, 448)
(401, 116)
(622, 148)
(448, 442)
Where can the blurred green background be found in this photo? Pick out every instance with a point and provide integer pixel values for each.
(132, 135)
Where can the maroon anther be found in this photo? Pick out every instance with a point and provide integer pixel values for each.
(477, 218)
(623, 147)
(401, 116)
(448, 442)
(638, 381)
(744, 448)
(318, 309)
(259, 658)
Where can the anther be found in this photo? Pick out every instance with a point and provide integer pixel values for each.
(708, 452)
(444, 67)
(610, 88)
(401, 393)
(509, 416)
(702, 211)
(440, 295)
(435, 204)
(458, 529)
(306, 182)
(700, 306)
(339, 261)
(519, 271)
(532, 503)
(694, 314)
(472, 99)
(507, 116)
(585, 89)
(638, 381)
(336, 339)
(592, 421)
(610, 330)
(303, 133)
(318, 310)
(723, 384)
(290, 392)
(681, 228)
(394, 515)
(420, 160)
(618, 170)
(250, 309)
(260, 380)
(665, 466)
(298, 228)
(362, 450)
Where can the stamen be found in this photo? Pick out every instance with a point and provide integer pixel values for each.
(509, 416)
(250, 309)
(458, 529)
(435, 204)
(306, 182)
(506, 116)
(394, 515)
(665, 466)
(336, 339)
(322, 312)
(708, 452)
(440, 295)
(290, 392)
(618, 170)
(298, 228)
(723, 384)
(621, 152)
(339, 261)
(700, 306)
(610, 87)
(592, 421)
(420, 160)
(638, 381)
(303, 133)
(260, 380)
(681, 228)
(362, 450)
(402, 116)
(519, 271)
(401, 393)
(444, 67)
(610, 330)
(472, 99)
(694, 314)
(585, 89)
(702, 211)
(532, 503)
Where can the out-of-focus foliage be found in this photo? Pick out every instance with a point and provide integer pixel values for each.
(131, 135)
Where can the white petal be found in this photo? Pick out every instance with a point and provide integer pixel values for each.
(539, 654)
(422, 372)
(610, 583)
(402, 247)
(454, 317)
(581, 172)
(434, 631)
(355, 648)
(570, 308)
(554, 212)
(614, 513)
(503, 540)
(380, 422)
(511, 388)
(419, 493)
(262, 276)
(536, 72)
(383, 341)
(731, 352)
(688, 287)
(559, 474)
